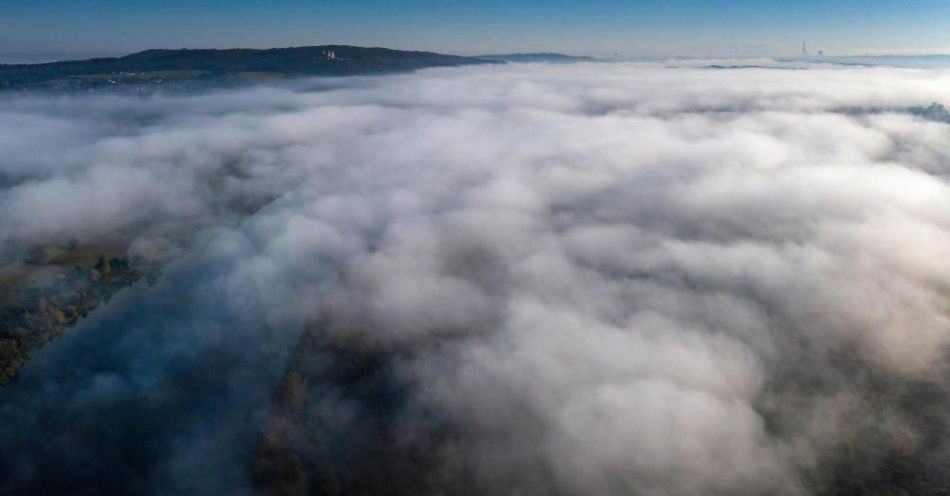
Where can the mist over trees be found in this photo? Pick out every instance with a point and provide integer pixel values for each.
(508, 279)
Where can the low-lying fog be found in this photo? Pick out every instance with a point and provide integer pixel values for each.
(597, 278)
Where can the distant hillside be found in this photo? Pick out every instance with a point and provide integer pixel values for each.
(156, 67)
(535, 57)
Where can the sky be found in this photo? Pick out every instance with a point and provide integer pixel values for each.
(629, 28)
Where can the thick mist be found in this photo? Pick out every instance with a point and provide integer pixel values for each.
(584, 279)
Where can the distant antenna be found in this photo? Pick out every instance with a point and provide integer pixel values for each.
(804, 50)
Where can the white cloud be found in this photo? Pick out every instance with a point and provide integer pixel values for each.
(603, 277)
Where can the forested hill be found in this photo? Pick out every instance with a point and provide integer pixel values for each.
(155, 67)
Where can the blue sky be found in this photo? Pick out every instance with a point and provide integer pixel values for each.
(631, 28)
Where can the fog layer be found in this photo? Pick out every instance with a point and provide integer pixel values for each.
(588, 279)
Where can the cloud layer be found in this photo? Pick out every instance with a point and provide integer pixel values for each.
(588, 279)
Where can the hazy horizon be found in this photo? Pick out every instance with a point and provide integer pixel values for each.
(888, 59)
(630, 29)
